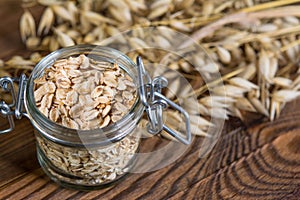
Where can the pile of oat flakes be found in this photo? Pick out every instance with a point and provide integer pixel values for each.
(82, 93)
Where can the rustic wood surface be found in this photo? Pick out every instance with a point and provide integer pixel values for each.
(256, 160)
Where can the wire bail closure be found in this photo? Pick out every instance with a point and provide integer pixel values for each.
(155, 103)
(16, 107)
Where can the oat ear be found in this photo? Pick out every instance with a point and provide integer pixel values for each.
(46, 22)
(63, 39)
(27, 25)
(63, 13)
(159, 8)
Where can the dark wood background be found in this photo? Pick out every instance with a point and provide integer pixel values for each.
(253, 160)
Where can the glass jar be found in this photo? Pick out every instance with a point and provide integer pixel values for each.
(89, 159)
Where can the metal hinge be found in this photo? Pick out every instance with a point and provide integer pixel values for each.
(155, 103)
(15, 108)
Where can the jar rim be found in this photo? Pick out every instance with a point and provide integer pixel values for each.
(67, 136)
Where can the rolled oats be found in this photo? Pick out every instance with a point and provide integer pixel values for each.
(116, 118)
(54, 114)
(46, 88)
(97, 92)
(106, 110)
(93, 166)
(71, 98)
(82, 93)
(105, 122)
(83, 81)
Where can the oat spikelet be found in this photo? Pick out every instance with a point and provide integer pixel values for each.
(243, 83)
(283, 82)
(264, 64)
(62, 12)
(158, 8)
(32, 42)
(259, 106)
(208, 8)
(180, 26)
(27, 25)
(46, 22)
(137, 43)
(112, 31)
(244, 104)
(218, 113)
(136, 6)
(224, 55)
(53, 44)
(63, 39)
(216, 101)
(249, 71)
(73, 10)
(250, 53)
(285, 95)
(96, 18)
(50, 2)
(162, 41)
(120, 11)
(184, 4)
(229, 90)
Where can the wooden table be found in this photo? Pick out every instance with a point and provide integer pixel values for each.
(256, 160)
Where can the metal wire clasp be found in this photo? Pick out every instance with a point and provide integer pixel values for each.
(16, 107)
(155, 103)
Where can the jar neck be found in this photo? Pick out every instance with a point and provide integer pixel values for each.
(71, 137)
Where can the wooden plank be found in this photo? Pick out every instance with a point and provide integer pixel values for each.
(265, 170)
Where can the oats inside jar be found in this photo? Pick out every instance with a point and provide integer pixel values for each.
(83, 93)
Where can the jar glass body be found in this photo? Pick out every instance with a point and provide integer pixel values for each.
(85, 159)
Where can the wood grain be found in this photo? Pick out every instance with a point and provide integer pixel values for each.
(256, 160)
